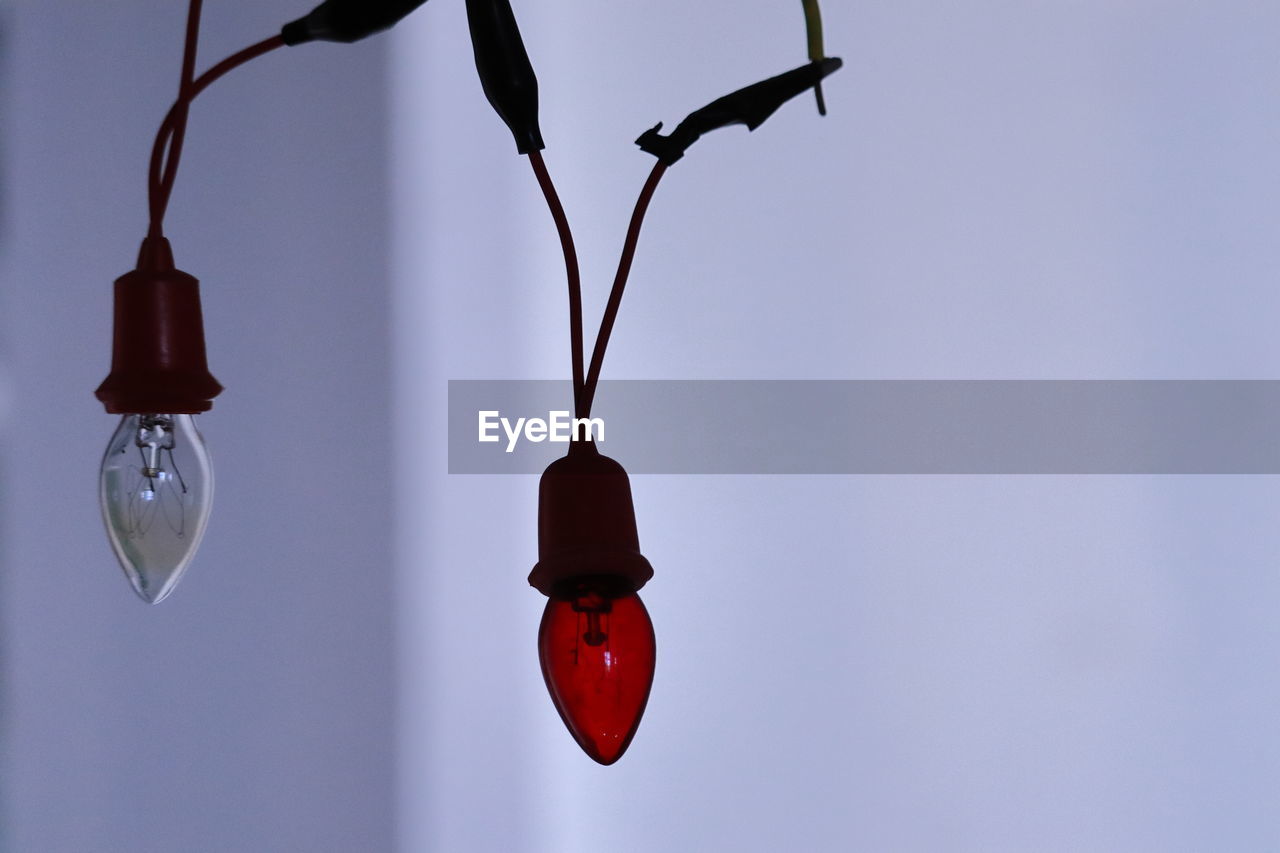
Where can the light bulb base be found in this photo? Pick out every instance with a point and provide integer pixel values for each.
(158, 361)
(587, 528)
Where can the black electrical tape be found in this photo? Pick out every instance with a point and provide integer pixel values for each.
(750, 106)
(505, 73)
(347, 20)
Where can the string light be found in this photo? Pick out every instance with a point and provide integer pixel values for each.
(156, 509)
(596, 643)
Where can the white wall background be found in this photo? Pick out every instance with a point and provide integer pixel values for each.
(1043, 190)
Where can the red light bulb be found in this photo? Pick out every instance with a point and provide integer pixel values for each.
(596, 643)
(597, 650)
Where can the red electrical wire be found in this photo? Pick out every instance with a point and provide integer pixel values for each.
(184, 86)
(164, 170)
(619, 284)
(571, 270)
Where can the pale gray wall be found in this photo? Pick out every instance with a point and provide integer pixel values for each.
(253, 709)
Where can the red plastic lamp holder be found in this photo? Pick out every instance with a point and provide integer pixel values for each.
(596, 642)
(587, 524)
(158, 361)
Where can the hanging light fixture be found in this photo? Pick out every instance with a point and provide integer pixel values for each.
(156, 480)
(155, 483)
(596, 643)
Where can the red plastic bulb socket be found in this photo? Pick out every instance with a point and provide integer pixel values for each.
(596, 643)
(158, 358)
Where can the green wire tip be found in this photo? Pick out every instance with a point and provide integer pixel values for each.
(813, 30)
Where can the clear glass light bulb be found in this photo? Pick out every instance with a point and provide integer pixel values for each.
(156, 489)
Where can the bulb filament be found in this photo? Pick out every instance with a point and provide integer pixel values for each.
(157, 489)
(593, 610)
